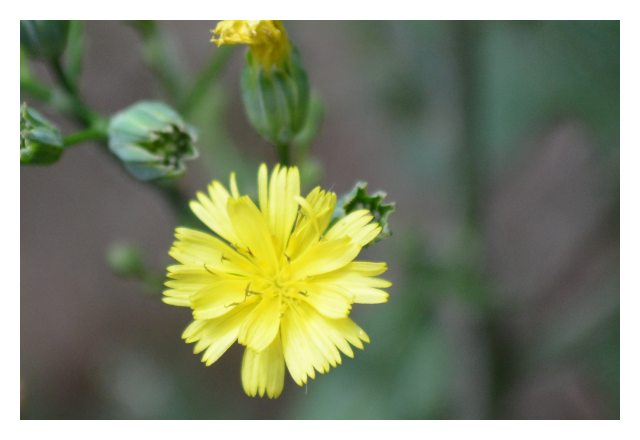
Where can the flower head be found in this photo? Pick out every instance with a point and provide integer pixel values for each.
(278, 281)
(267, 39)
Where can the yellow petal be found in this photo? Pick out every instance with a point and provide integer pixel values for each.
(212, 211)
(264, 371)
(262, 325)
(324, 257)
(326, 327)
(350, 225)
(253, 231)
(263, 192)
(319, 336)
(300, 352)
(216, 300)
(312, 221)
(217, 335)
(176, 299)
(362, 289)
(234, 186)
(330, 300)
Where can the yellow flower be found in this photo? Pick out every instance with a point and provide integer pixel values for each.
(282, 284)
(267, 39)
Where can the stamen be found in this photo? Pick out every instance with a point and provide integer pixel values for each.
(207, 269)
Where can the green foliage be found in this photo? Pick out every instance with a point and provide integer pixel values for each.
(44, 39)
(40, 141)
(357, 199)
(152, 140)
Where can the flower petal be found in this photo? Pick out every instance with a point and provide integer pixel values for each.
(329, 299)
(199, 248)
(324, 257)
(349, 225)
(319, 336)
(264, 371)
(326, 327)
(216, 299)
(217, 335)
(253, 231)
(300, 352)
(212, 211)
(261, 326)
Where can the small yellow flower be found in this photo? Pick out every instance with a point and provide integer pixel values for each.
(279, 282)
(267, 39)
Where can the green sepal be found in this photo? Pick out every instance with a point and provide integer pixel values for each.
(152, 140)
(41, 142)
(357, 199)
(44, 39)
(276, 101)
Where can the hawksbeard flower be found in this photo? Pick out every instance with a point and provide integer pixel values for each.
(267, 39)
(279, 282)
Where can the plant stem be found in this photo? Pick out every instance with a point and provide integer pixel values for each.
(206, 78)
(283, 154)
(62, 77)
(159, 61)
(470, 154)
(89, 134)
(37, 90)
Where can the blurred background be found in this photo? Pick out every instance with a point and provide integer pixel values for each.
(499, 142)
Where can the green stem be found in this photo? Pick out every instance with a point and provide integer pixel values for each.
(37, 90)
(283, 154)
(90, 134)
(470, 153)
(62, 77)
(157, 58)
(207, 77)
(73, 103)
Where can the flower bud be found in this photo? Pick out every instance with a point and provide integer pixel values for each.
(276, 101)
(357, 199)
(152, 140)
(274, 84)
(44, 39)
(40, 142)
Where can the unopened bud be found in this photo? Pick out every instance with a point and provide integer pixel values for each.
(274, 84)
(40, 141)
(152, 140)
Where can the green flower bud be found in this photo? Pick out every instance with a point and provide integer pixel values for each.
(357, 199)
(44, 39)
(276, 100)
(40, 141)
(152, 140)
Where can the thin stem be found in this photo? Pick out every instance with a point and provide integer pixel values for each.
(62, 77)
(159, 61)
(73, 104)
(283, 154)
(37, 90)
(207, 77)
(90, 134)
(470, 154)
